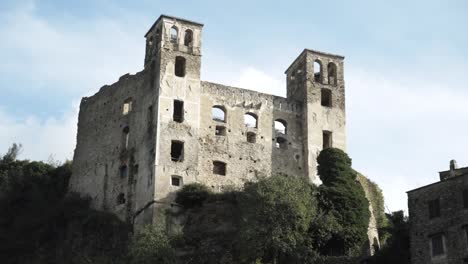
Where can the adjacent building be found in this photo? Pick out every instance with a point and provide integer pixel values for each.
(438, 215)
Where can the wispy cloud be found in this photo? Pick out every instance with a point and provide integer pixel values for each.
(41, 139)
(67, 56)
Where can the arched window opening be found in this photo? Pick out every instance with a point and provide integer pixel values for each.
(179, 66)
(127, 106)
(120, 199)
(150, 41)
(123, 171)
(281, 143)
(188, 39)
(250, 120)
(174, 33)
(218, 113)
(219, 167)
(177, 150)
(125, 137)
(176, 180)
(318, 71)
(251, 137)
(326, 99)
(280, 126)
(331, 68)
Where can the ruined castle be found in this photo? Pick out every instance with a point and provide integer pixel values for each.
(143, 137)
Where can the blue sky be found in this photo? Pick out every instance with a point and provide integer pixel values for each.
(405, 70)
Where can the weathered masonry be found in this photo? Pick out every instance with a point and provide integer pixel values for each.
(438, 215)
(143, 137)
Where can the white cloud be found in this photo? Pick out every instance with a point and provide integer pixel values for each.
(80, 55)
(40, 139)
(254, 79)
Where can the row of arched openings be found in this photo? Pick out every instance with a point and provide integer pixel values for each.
(218, 113)
(188, 36)
(331, 72)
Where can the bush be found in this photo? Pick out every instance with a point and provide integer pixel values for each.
(192, 195)
(152, 245)
(343, 197)
(276, 213)
(396, 250)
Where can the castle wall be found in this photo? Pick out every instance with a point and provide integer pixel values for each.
(103, 151)
(104, 147)
(246, 160)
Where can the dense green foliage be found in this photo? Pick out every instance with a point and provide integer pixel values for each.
(279, 219)
(152, 245)
(343, 198)
(276, 212)
(396, 249)
(211, 230)
(39, 224)
(192, 195)
(375, 196)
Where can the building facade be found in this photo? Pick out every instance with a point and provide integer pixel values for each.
(142, 138)
(438, 215)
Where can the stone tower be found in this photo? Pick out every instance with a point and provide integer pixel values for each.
(316, 79)
(173, 55)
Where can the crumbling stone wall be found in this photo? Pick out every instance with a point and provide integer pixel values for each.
(102, 150)
(112, 137)
(246, 160)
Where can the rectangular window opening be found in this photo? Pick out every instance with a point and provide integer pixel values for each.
(281, 143)
(178, 113)
(434, 208)
(220, 131)
(437, 245)
(326, 97)
(219, 168)
(327, 139)
(176, 181)
(251, 137)
(177, 150)
(465, 199)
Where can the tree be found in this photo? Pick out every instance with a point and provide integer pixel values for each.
(12, 153)
(276, 213)
(152, 245)
(342, 196)
(396, 249)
